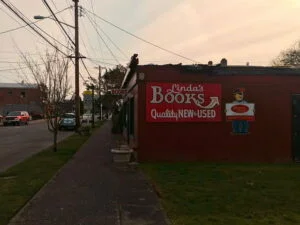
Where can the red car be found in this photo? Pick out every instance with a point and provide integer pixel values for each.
(16, 118)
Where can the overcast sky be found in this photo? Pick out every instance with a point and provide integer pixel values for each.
(242, 31)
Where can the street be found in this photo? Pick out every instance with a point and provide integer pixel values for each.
(19, 142)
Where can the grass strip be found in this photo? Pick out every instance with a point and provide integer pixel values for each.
(21, 182)
(218, 194)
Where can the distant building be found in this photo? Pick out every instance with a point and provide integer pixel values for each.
(20, 96)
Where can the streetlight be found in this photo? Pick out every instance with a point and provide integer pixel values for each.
(77, 56)
(38, 17)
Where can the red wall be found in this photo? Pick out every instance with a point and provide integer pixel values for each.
(32, 96)
(270, 135)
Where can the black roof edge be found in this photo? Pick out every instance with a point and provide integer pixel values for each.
(131, 68)
(233, 70)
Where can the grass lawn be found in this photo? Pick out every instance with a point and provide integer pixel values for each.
(221, 194)
(19, 183)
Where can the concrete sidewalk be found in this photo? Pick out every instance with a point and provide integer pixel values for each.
(91, 190)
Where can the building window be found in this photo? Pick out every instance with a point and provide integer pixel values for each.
(9, 93)
(23, 94)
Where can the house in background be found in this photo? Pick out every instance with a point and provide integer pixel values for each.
(20, 96)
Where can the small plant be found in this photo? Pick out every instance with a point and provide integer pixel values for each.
(85, 130)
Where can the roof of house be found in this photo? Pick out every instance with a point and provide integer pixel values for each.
(18, 85)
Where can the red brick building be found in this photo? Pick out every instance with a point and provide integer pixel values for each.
(18, 96)
(189, 113)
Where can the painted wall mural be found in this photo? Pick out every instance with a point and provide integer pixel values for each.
(240, 112)
(183, 102)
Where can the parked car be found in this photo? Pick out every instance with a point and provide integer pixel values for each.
(16, 118)
(67, 122)
(36, 116)
(68, 115)
(87, 118)
(1, 119)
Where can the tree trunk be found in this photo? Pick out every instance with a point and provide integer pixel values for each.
(55, 141)
(55, 135)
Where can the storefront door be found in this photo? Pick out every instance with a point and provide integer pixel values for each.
(296, 128)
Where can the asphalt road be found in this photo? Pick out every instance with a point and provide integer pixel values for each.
(19, 142)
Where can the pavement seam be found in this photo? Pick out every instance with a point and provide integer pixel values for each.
(119, 213)
(159, 198)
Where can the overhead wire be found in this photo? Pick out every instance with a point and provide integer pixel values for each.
(99, 61)
(9, 62)
(79, 72)
(89, 41)
(87, 70)
(57, 21)
(82, 40)
(113, 55)
(23, 26)
(142, 39)
(25, 18)
(126, 56)
(99, 43)
(14, 10)
(9, 78)
(20, 68)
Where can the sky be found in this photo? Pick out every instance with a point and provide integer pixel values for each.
(241, 31)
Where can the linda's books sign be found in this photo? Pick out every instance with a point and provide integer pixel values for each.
(183, 102)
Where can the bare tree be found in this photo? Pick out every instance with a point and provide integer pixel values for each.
(51, 77)
(289, 57)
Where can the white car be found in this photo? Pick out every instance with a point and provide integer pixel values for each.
(87, 118)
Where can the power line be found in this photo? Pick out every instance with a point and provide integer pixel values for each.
(106, 63)
(9, 62)
(84, 80)
(86, 69)
(10, 7)
(17, 28)
(99, 43)
(24, 17)
(126, 56)
(57, 21)
(20, 68)
(113, 55)
(141, 39)
(19, 23)
(89, 41)
(9, 78)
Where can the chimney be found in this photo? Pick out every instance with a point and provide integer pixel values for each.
(224, 62)
(210, 63)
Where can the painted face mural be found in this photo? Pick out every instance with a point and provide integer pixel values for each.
(239, 112)
(239, 94)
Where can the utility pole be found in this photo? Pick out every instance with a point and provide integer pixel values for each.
(100, 81)
(77, 97)
(100, 96)
(93, 105)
